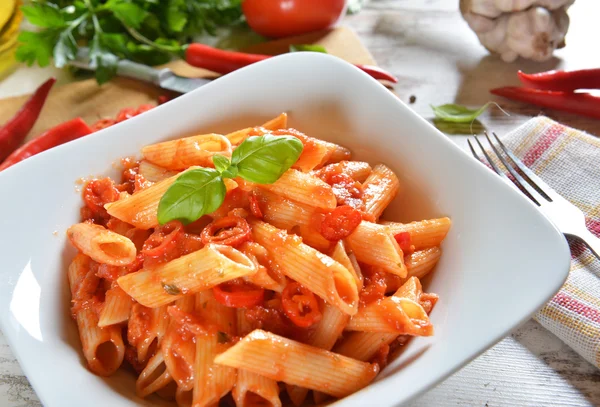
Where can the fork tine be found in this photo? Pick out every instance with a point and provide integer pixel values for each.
(534, 180)
(531, 191)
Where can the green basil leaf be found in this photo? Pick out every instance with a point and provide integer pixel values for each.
(307, 47)
(221, 163)
(36, 47)
(230, 172)
(46, 15)
(263, 159)
(193, 194)
(176, 15)
(130, 14)
(457, 113)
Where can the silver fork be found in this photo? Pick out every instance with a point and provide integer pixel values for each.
(566, 216)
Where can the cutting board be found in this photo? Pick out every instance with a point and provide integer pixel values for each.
(92, 102)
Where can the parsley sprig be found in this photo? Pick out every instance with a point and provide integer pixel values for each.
(145, 31)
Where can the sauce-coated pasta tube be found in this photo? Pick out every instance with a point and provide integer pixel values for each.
(146, 328)
(421, 262)
(373, 244)
(319, 273)
(277, 123)
(101, 244)
(103, 348)
(117, 307)
(423, 234)
(304, 188)
(189, 151)
(154, 377)
(292, 362)
(154, 173)
(212, 265)
(253, 390)
(380, 189)
(357, 170)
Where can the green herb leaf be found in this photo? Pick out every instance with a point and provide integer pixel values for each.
(457, 113)
(46, 15)
(263, 159)
(102, 59)
(65, 49)
(177, 16)
(130, 14)
(36, 47)
(194, 193)
(221, 163)
(307, 47)
(171, 289)
(230, 172)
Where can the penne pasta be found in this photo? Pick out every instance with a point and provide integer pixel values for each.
(253, 390)
(283, 359)
(340, 255)
(146, 328)
(423, 234)
(189, 151)
(319, 273)
(117, 307)
(364, 345)
(101, 244)
(154, 173)
(277, 123)
(179, 356)
(189, 274)
(317, 152)
(266, 275)
(103, 348)
(379, 190)
(154, 377)
(421, 262)
(401, 314)
(304, 188)
(373, 244)
(357, 170)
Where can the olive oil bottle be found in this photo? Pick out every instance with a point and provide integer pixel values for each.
(10, 22)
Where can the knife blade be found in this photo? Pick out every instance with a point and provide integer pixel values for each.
(163, 78)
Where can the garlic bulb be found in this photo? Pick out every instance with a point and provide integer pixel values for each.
(531, 29)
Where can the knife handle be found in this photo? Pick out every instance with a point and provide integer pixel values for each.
(139, 71)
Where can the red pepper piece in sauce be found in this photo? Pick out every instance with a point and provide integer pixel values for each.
(230, 230)
(162, 240)
(224, 62)
(563, 81)
(16, 129)
(63, 133)
(403, 239)
(254, 206)
(579, 103)
(340, 223)
(300, 305)
(238, 294)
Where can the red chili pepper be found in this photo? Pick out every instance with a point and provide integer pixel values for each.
(63, 133)
(300, 305)
(254, 206)
(230, 230)
(340, 223)
(224, 62)
(403, 239)
(579, 103)
(565, 81)
(238, 294)
(16, 129)
(162, 239)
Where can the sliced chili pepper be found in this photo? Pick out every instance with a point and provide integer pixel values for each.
(143, 108)
(16, 129)
(224, 62)
(300, 305)
(254, 206)
(565, 81)
(403, 239)
(63, 133)
(238, 294)
(162, 99)
(126, 113)
(579, 103)
(340, 223)
(230, 230)
(102, 124)
(163, 238)
(99, 192)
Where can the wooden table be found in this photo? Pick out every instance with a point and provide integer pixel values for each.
(439, 60)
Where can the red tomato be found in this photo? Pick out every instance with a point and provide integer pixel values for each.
(300, 305)
(403, 239)
(340, 223)
(238, 294)
(163, 239)
(284, 18)
(254, 206)
(230, 230)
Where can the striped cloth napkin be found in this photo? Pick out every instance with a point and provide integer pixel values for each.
(569, 161)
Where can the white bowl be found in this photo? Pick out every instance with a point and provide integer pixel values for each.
(502, 259)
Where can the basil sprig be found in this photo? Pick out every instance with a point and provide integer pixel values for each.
(259, 159)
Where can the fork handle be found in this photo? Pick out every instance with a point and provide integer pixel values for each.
(591, 241)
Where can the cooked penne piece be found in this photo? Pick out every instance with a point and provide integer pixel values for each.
(422, 262)
(380, 189)
(189, 151)
(277, 123)
(364, 345)
(184, 398)
(212, 265)
(319, 273)
(304, 188)
(324, 336)
(103, 348)
(340, 255)
(423, 234)
(154, 377)
(373, 244)
(357, 170)
(253, 390)
(292, 216)
(154, 173)
(101, 244)
(179, 357)
(338, 154)
(117, 307)
(292, 362)
(317, 152)
(146, 328)
(266, 276)
(401, 313)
